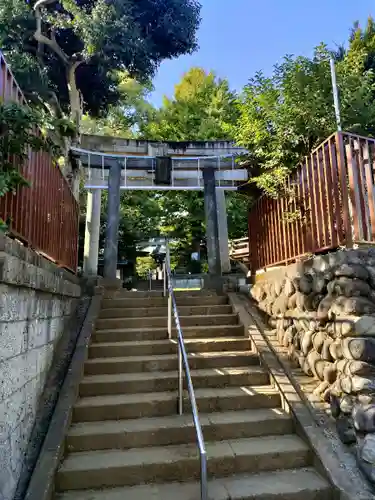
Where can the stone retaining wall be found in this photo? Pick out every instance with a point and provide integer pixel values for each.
(323, 311)
(37, 299)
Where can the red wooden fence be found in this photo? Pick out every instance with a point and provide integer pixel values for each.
(45, 215)
(327, 202)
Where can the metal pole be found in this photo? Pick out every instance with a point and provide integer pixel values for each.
(164, 279)
(180, 382)
(204, 486)
(149, 280)
(335, 94)
(170, 315)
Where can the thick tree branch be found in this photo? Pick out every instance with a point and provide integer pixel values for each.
(39, 37)
(53, 105)
(42, 39)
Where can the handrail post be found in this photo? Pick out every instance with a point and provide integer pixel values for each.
(180, 382)
(164, 279)
(149, 280)
(204, 487)
(169, 315)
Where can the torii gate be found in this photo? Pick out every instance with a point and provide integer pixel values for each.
(116, 164)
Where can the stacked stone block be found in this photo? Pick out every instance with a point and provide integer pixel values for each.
(323, 312)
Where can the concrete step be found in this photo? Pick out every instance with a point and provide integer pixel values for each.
(129, 406)
(127, 383)
(177, 429)
(157, 347)
(166, 362)
(144, 285)
(131, 334)
(85, 470)
(157, 301)
(161, 322)
(117, 312)
(291, 484)
(141, 294)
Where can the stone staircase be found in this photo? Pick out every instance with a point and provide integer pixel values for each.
(126, 441)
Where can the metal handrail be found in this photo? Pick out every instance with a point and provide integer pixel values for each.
(183, 364)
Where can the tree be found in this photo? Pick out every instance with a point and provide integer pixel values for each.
(361, 50)
(68, 51)
(126, 117)
(283, 117)
(202, 109)
(140, 216)
(144, 265)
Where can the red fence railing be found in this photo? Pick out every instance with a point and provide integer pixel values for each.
(45, 214)
(327, 202)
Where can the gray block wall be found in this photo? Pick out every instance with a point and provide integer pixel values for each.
(37, 300)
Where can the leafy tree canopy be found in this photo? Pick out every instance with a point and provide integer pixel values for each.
(126, 117)
(284, 116)
(68, 48)
(202, 109)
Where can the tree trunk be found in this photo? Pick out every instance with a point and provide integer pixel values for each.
(71, 173)
(76, 115)
(74, 97)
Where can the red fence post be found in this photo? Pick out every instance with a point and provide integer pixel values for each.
(343, 179)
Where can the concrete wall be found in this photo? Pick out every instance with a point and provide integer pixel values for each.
(36, 301)
(151, 148)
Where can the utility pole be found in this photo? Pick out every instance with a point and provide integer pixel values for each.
(335, 94)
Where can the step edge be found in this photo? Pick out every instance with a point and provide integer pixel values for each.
(263, 416)
(252, 369)
(308, 473)
(124, 359)
(262, 390)
(297, 445)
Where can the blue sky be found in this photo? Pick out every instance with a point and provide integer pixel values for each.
(239, 37)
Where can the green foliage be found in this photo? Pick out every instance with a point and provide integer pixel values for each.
(139, 220)
(66, 46)
(283, 117)
(202, 109)
(237, 211)
(18, 135)
(144, 265)
(361, 51)
(125, 118)
(18, 127)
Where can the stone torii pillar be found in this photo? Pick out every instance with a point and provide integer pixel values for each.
(216, 221)
(222, 221)
(113, 219)
(212, 226)
(92, 232)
